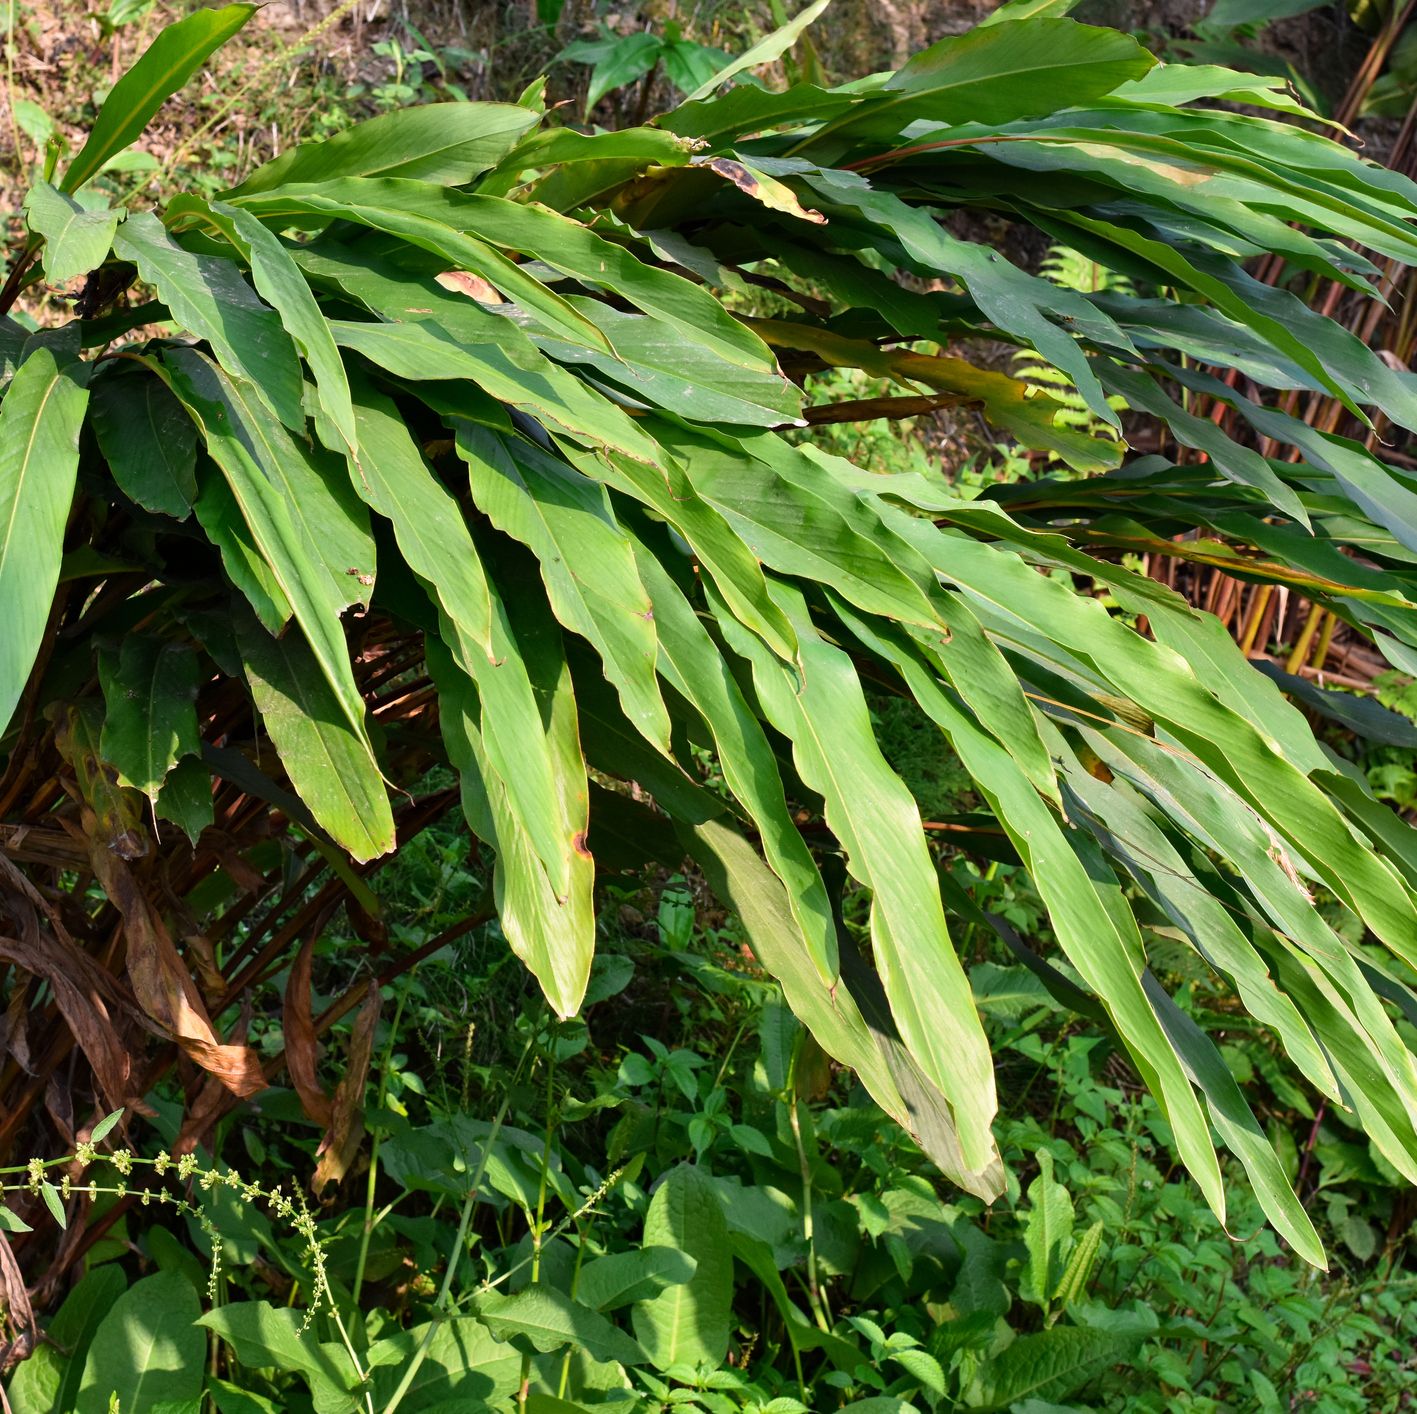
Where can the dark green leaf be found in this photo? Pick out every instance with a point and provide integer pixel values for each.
(147, 1348)
(148, 439)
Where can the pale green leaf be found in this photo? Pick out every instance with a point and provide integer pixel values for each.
(76, 238)
(688, 1323)
(39, 458)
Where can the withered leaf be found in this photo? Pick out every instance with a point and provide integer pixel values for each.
(341, 1144)
(302, 1051)
(161, 982)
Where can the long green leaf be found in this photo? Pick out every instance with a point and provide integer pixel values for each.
(587, 561)
(435, 542)
(209, 297)
(551, 930)
(290, 545)
(40, 420)
(331, 767)
(165, 66)
(446, 143)
(869, 809)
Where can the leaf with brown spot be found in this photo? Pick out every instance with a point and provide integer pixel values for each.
(474, 286)
(770, 192)
(341, 1144)
(302, 1050)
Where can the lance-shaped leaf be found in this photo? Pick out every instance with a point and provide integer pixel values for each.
(1090, 936)
(668, 491)
(165, 66)
(1047, 1231)
(209, 297)
(446, 143)
(1132, 837)
(331, 766)
(869, 809)
(849, 1018)
(462, 252)
(436, 544)
(553, 932)
(586, 559)
(691, 662)
(1238, 1126)
(280, 534)
(39, 459)
(769, 47)
(996, 73)
(655, 364)
(279, 281)
(310, 483)
(424, 352)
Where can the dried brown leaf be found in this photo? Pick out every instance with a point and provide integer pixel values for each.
(161, 982)
(302, 1050)
(341, 1144)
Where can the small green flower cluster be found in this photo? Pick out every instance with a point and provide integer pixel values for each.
(184, 1168)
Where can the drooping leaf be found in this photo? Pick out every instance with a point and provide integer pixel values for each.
(870, 810)
(850, 1020)
(278, 279)
(39, 457)
(552, 931)
(438, 547)
(587, 561)
(331, 767)
(299, 521)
